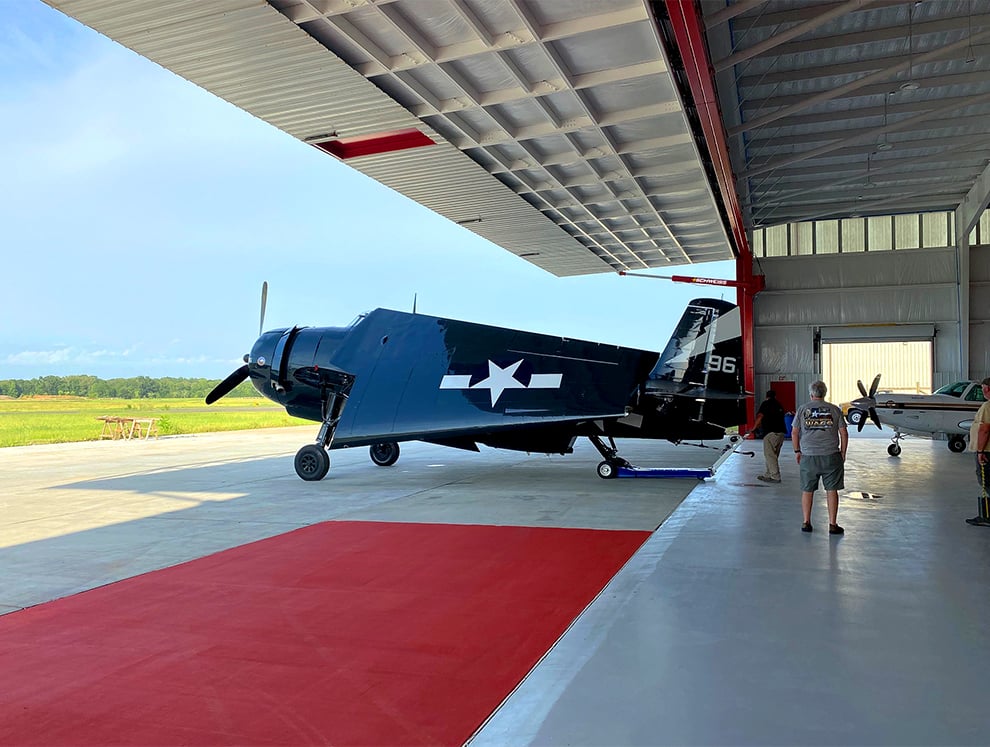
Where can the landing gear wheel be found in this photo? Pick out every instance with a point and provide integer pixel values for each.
(312, 462)
(607, 470)
(894, 449)
(855, 417)
(957, 444)
(385, 454)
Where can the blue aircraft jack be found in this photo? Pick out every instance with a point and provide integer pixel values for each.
(617, 467)
(696, 472)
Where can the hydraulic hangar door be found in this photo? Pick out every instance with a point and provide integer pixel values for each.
(903, 355)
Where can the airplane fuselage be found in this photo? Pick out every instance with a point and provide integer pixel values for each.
(393, 376)
(921, 414)
(948, 411)
(408, 374)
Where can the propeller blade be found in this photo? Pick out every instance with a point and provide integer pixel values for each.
(264, 303)
(874, 417)
(227, 384)
(862, 389)
(874, 385)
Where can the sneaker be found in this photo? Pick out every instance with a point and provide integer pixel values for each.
(835, 529)
(764, 478)
(806, 527)
(978, 521)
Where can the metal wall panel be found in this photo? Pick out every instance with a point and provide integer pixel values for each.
(849, 291)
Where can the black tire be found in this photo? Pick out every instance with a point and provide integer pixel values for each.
(855, 417)
(894, 449)
(384, 454)
(607, 470)
(312, 462)
(957, 444)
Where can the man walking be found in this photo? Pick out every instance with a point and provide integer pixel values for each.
(820, 439)
(770, 418)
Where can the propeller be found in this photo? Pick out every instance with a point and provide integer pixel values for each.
(227, 384)
(869, 403)
(264, 303)
(241, 374)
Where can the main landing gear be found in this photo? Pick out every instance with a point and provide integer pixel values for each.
(610, 467)
(957, 444)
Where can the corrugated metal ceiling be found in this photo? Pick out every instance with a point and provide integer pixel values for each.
(559, 129)
(835, 109)
(559, 133)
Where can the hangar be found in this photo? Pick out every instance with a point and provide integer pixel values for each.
(836, 151)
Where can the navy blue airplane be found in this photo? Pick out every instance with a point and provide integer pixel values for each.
(394, 376)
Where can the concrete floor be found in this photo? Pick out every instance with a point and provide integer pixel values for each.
(729, 626)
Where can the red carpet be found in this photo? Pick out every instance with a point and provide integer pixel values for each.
(339, 633)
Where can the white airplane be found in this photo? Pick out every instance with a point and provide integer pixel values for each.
(949, 410)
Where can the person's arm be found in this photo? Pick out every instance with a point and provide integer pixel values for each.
(843, 442)
(983, 443)
(796, 437)
(756, 422)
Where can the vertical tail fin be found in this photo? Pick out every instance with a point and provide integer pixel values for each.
(704, 355)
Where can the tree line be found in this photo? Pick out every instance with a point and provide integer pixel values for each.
(137, 387)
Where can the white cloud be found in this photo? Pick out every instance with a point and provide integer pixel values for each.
(70, 360)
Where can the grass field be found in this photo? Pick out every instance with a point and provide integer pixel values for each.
(51, 420)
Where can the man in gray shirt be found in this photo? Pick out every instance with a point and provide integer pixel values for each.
(820, 439)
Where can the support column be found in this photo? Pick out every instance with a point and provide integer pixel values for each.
(967, 215)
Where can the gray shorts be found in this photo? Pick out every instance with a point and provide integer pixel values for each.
(830, 468)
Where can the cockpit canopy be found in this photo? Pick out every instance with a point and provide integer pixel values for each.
(967, 390)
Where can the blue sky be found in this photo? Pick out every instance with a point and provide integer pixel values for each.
(141, 215)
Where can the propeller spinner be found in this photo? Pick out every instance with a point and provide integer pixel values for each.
(241, 374)
(868, 403)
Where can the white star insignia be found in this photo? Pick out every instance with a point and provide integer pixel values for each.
(500, 379)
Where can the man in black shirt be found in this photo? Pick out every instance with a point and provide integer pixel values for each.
(770, 418)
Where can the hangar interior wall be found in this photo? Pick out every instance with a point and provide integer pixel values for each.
(867, 296)
(979, 311)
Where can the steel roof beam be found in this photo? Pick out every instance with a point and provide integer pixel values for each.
(885, 89)
(863, 112)
(562, 71)
(794, 15)
(838, 144)
(888, 33)
(821, 72)
(841, 91)
(899, 198)
(523, 92)
(801, 29)
(729, 12)
(976, 122)
(794, 187)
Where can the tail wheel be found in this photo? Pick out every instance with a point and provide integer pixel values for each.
(384, 454)
(607, 470)
(312, 462)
